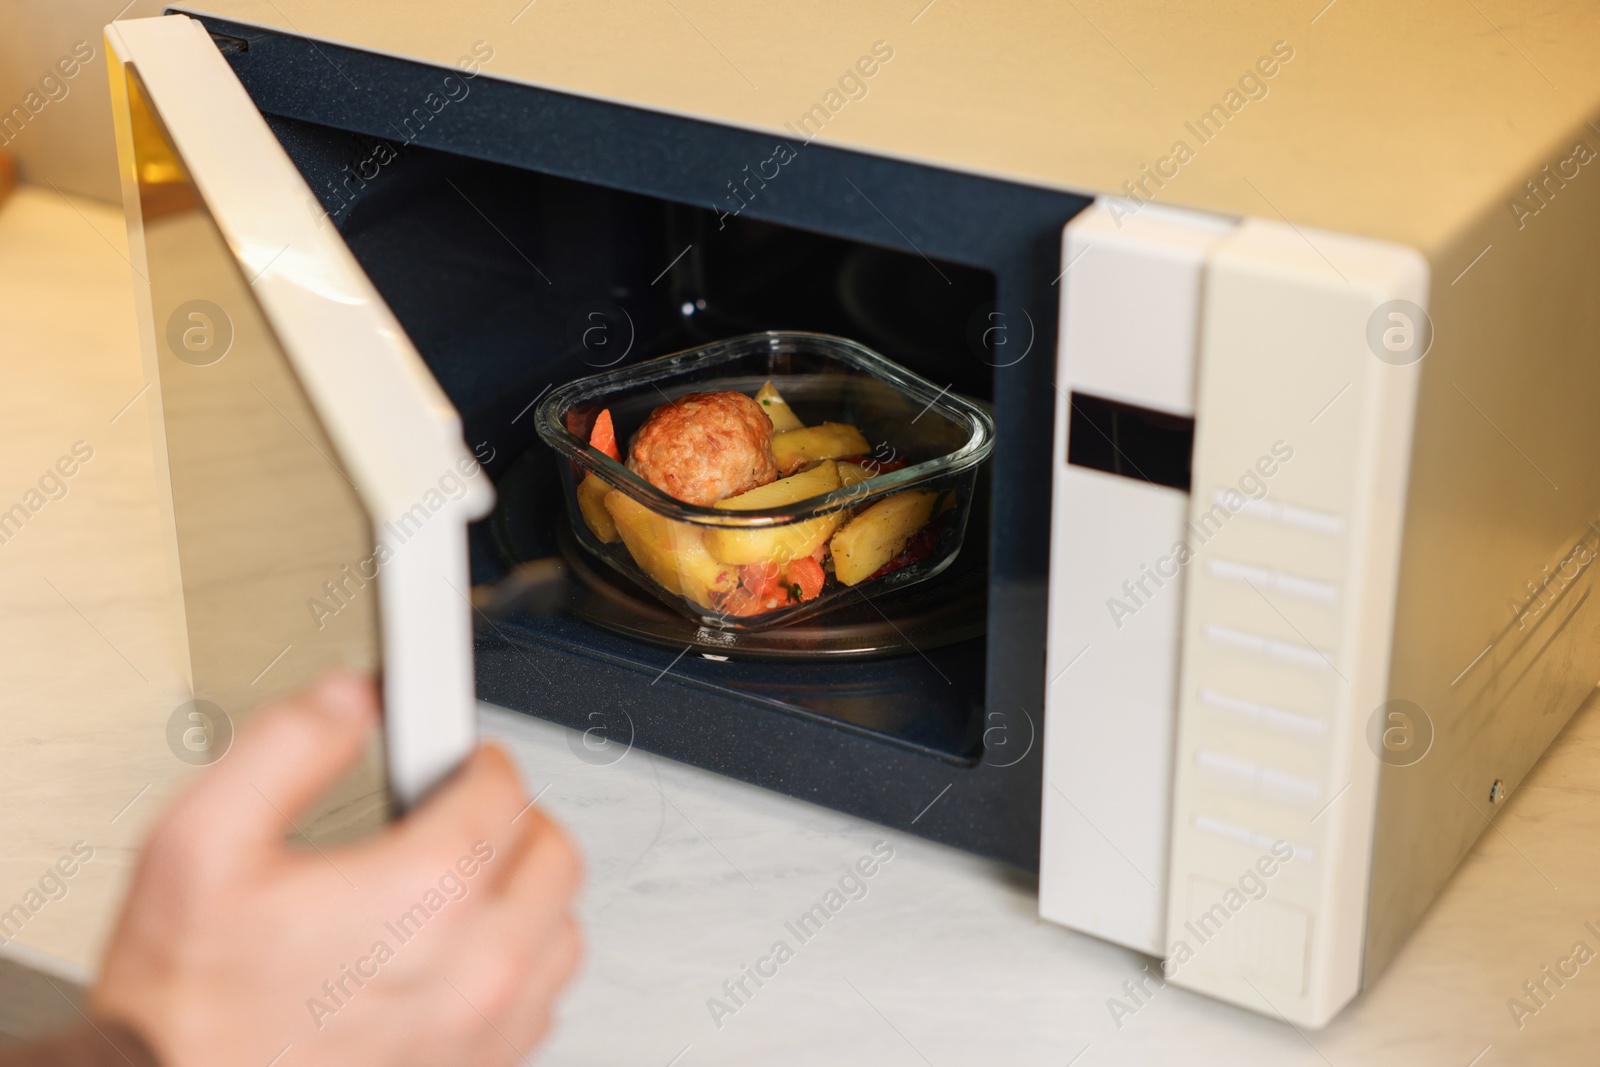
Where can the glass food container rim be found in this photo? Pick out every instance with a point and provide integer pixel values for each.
(552, 428)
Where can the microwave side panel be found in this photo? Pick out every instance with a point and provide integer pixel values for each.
(1131, 291)
(1301, 453)
(1498, 631)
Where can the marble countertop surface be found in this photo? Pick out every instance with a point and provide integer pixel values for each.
(691, 877)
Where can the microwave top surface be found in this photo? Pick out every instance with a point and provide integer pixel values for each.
(1400, 124)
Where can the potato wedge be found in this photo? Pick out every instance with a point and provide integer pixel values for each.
(777, 544)
(822, 478)
(672, 553)
(777, 409)
(592, 503)
(878, 533)
(854, 473)
(851, 474)
(793, 449)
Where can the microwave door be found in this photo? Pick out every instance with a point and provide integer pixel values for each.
(318, 488)
(1127, 365)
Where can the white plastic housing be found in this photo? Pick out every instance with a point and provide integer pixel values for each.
(1302, 445)
(1209, 791)
(1130, 329)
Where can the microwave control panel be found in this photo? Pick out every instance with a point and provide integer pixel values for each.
(1219, 642)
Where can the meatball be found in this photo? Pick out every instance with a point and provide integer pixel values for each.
(705, 447)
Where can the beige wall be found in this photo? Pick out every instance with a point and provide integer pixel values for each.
(67, 142)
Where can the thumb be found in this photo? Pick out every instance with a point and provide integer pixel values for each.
(288, 755)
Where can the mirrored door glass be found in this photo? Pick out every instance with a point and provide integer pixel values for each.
(275, 548)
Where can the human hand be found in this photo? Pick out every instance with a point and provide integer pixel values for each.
(442, 940)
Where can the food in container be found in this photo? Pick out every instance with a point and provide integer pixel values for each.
(764, 479)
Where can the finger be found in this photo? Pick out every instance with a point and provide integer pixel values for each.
(494, 972)
(556, 960)
(511, 986)
(471, 817)
(288, 755)
(543, 866)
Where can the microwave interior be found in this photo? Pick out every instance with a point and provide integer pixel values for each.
(524, 238)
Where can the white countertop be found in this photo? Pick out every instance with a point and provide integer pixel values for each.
(691, 876)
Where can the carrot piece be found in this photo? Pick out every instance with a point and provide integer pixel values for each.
(805, 575)
(604, 436)
(760, 578)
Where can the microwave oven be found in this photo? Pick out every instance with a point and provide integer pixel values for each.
(1277, 584)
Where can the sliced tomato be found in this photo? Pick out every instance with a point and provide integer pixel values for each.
(760, 577)
(760, 589)
(604, 436)
(742, 602)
